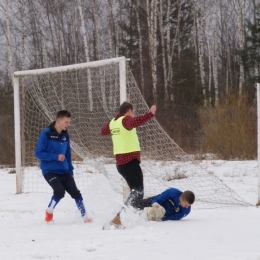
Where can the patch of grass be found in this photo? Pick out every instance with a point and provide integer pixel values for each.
(230, 129)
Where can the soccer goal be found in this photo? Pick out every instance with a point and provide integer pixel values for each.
(93, 92)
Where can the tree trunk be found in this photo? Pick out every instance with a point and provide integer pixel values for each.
(96, 30)
(215, 55)
(210, 75)
(166, 94)
(140, 45)
(45, 56)
(53, 60)
(257, 22)
(74, 30)
(34, 36)
(241, 43)
(9, 41)
(172, 45)
(109, 22)
(86, 54)
(168, 37)
(114, 14)
(199, 10)
(152, 29)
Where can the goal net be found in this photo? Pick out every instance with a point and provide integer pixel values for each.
(93, 92)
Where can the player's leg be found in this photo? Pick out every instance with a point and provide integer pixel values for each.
(71, 187)
(133, 175)
(58, 193)
(143, 203)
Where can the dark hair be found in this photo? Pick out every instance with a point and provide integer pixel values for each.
(188, 196)
(125, 106)
(63, 113)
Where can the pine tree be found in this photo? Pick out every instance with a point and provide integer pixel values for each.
(250, 56)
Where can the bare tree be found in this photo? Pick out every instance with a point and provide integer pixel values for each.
(96, 30)
(210, 73)
(45, 56)
(257, 22)
(86, 53)
(171, 44)
(240, 21)
(152, 14)
(114, 14)
(199, 16)
(140, 45)
(21, 11)
(109, 21)
(9, 40)
(166, 96)
(215, 52)
(74, 31)
(83, 31)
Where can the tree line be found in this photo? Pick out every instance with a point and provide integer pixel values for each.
(183, 53)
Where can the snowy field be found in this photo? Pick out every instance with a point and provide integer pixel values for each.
(215, 234)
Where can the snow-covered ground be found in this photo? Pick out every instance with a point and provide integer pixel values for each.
(215, 234)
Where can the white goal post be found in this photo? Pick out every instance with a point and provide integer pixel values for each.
(93, 92)
(258, 140)
(122, 74)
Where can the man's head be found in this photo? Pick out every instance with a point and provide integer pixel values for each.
(62, 120)
(187, 198)
(126, 108)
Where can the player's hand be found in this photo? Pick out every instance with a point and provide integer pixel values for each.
(153, 109)
(61, 157)
(159, 211)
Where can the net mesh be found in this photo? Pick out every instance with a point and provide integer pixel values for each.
(92, 95)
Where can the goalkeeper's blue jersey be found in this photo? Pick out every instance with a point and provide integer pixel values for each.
(170, 200)
(50, 144)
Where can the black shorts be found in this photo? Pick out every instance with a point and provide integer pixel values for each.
(61, 183)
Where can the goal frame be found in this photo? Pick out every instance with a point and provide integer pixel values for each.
(17, 120)
(258, 140)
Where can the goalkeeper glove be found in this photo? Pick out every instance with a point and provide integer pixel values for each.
(156, 212)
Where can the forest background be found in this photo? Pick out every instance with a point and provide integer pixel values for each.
(198, 60)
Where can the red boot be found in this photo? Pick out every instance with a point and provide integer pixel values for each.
(48, 216)
(88, 220)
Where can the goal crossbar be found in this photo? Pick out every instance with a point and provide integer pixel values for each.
(91, 64)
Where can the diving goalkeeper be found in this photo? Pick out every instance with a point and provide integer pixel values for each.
(172, 204)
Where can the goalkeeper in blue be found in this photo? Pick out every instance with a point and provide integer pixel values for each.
(172, 204)
(53, 150)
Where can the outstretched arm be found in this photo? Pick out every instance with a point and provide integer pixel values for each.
(132, 122)
(178, 216)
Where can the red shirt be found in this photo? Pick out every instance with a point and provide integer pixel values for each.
(128, 123)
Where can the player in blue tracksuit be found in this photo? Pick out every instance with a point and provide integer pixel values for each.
(177, 204)
(53, 150)
(172, 204)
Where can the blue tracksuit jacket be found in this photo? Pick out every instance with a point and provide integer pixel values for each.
(49, 146)
(170, 200)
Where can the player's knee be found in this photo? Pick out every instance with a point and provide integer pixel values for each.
(60, 193)
(75, 194)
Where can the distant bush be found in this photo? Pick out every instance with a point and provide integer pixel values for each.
(7, 154)
(230, 129)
